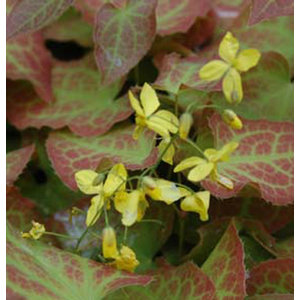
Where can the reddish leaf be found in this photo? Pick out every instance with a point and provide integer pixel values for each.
(225, 266)
(272, 297)
(31, 15)
(123, 36)
(272, 276)
(28, 59)
(175, 71)
(38, 271)
(178, 15)
(82, 103)
(70, 153)
(89, 8)
(267, 9)
(16, 161)
(285, 248)
(264, 157)
(186, 281)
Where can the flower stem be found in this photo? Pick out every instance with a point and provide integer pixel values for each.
(194, 145)
(60, 235)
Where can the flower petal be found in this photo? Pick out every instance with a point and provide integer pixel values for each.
(126, 260)
(94, 210)
(213, 70)
(137, 132)
(116, 180)
(198, 203)
(169, 154)
(166, 119)
(200, 172)
(149, 99)
(135, 104)
(109, 243)
(188, 163)
(232, 86)
(247, 59)
(85, 179)
(229, 47)
(158, 128)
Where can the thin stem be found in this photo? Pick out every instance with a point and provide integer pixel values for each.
(181, 235)
(153, 221)
(125, 234)
(60, 235)
(81, 238)
(106, 215)
(194, 145)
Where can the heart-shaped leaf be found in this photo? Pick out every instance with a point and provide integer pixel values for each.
(89, 8)
(123, 36)
(70, 153)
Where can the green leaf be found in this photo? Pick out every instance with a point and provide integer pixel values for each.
(37, 271)
(123, 36)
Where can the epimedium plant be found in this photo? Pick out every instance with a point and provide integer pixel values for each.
(113, 204)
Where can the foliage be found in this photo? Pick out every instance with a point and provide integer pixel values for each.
(150, 149)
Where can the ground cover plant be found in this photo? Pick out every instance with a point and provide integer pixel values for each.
(150, 149)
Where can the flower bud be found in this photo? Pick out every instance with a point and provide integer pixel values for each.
(231, 118)
(109, 243)
(185, 124)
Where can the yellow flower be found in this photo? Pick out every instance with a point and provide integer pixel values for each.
(126, 260)
(185, 124)
(231, 118)
(90, 182)
(198, 202)
(162, 122)
(163, 190)
(109, 243)
(35, 232)
(131, 205)
(169, 154)
(201, 168)
(234, 62)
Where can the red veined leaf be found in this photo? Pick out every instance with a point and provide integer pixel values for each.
(70, 153)
(28, 59)
(272, 276)
(225, 266)
(39, 271)
(264, 157)
(186, 281)
(272, 297)
(267, 9)
(89, 8)
(16, 161)
(123, 36)
(31, 15)
(178, 15)
(82, 103)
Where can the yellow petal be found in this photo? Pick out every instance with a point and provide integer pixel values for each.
(137, 132)
(85, 181)
(229, 47)
(198, 203)
(166, 119)
(126, 260)
(36, 231)
(213, 70)
(226, 150)
(166, 191)
(224, 181)
(94, 210)
(247, 59)
(232, 86)
(211, 154)
(116, 180)
(169, 154)
(149, 100)
(200, 172)
(135, 104)
(185, 124)
(109, 243)
(188, 163)
(158, 128)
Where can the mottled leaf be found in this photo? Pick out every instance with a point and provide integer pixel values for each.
(264, 157)
(177, 15)
(268, 91)
(38, 271)
(28, 59)
(175, 71)
(272, 276)
(123, 36)
(271, 297)
(186, 281)
(267, 9)
(82, 103)
(31, 15)
(225, 266)
(16, 161)
(70, 153)
(285, 247)
(89, 8)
